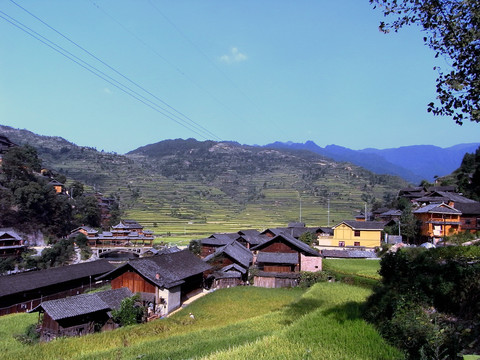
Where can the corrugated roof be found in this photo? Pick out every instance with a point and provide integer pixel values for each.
(437, 209)
(10, 232)
(277, 258)
(22, 282)
(291, 241)
(356, 254)
(235, 251)
(83, 304)
(164, 270)
(362, 225)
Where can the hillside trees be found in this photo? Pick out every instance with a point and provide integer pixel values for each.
(29, 202)
(428, 302)
(468, 175)
(452, 30)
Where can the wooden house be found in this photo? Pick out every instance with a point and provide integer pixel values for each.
(470, 218)
(213, 242)
(24, 291)
(79, 315)
(280, 259)
(11, 244)
(222, 273)
(351, 233)
(249, 238)
(164, 281)
(124, 234)
(438, 221)
(57, 186)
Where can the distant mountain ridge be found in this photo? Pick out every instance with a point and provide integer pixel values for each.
(180, 184)
(412, 163)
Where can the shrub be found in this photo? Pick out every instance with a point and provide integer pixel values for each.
(308, 278)
(428, 302)
(130, 312)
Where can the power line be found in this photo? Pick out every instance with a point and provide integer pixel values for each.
(182, 34)
(60, 50)
(186, 118)
(180, 71)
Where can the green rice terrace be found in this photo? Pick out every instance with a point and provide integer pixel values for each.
(186, 189)
(321, 322)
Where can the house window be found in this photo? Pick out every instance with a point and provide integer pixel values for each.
(357, 233)
(341, 243)
(356, 243)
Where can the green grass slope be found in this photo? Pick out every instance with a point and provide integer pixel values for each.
(238, 323)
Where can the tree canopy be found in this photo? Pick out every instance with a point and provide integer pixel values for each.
(452, 30)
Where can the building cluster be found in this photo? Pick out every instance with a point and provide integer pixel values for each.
(126, 233)
(442, 212)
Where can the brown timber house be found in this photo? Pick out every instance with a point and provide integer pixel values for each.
(23, 292)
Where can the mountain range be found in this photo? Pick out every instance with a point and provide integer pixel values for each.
(412, 163)
(207, 186)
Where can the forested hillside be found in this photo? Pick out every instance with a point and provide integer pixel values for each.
(180, 186)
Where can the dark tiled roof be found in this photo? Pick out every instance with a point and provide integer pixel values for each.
(249, 232)
(234, 267)
(277, 258)
(291, 241)
(113, 298)
(19, 283)
(83, 304)
(469, 209)
(363, 225)
(392, 212)
(444, 196)
(325, 230)
(227, 275)
(10, 233)
(279, 275)
(437, 209)
(165, 270)
(355, 254)
(219, 239)
(237, 252)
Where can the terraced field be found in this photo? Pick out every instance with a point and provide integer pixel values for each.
(184, 189)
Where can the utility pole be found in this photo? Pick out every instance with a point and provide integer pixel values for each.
(300, 197)
(328, 212)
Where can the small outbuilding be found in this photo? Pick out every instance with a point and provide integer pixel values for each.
(79, 315)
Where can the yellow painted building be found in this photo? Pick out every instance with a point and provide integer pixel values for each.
(353, 233)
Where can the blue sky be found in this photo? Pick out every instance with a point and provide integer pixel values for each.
(248, 71)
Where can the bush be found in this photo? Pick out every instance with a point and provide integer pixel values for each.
(308, 278)
(30, 336)
(428, 302)
(130, 312)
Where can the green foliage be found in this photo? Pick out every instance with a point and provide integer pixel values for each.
(428, 301)
(451, 29)
(468, 175)
(30, 336)
(19, 165)
(28, 202)
(195, 247)
(409, 226)
(7, 264)
(308, 238)
(130, 312)
(308, 279)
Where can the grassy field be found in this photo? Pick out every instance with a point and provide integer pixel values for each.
(359, 267)
(239, 323)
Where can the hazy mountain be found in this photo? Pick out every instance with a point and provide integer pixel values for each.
(413, 163)
(180, 181)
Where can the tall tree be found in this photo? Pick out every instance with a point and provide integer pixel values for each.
(452, 30)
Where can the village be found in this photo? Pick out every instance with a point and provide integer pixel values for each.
(167, 278)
